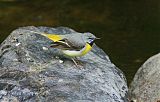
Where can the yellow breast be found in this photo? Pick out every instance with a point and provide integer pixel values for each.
(86, 50)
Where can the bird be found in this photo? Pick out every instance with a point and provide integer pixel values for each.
(72, 45)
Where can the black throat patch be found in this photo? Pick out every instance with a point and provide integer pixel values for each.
(91, 43)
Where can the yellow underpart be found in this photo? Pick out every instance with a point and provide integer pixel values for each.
(86, 50)
(83, 51)
(53, 37)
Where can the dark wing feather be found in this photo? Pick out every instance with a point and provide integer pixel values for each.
(64, 44)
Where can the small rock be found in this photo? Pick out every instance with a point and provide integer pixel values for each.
(146, 84)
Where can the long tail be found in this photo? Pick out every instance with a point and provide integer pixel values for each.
(53, 37)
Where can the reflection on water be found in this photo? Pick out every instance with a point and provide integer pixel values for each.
(129, 28)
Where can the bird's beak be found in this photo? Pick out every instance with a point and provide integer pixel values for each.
(97, 38)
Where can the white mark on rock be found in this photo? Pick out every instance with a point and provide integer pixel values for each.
(45, 48)
(57, 57)
(3, 92)
(18, 44)
(60, 80)
(15, 59)
(28, 58)
(60, 61)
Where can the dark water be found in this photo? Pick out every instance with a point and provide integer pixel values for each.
(130, 29)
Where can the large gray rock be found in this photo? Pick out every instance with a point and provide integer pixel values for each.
(30, 71)
(146, 84)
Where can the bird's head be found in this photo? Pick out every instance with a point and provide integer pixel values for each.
(89, 38)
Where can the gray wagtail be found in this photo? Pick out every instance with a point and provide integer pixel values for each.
(72, 45)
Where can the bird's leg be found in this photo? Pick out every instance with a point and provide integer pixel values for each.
(74, 62)
(77, 62)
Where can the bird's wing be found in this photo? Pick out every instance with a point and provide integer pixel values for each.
(65, 44)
